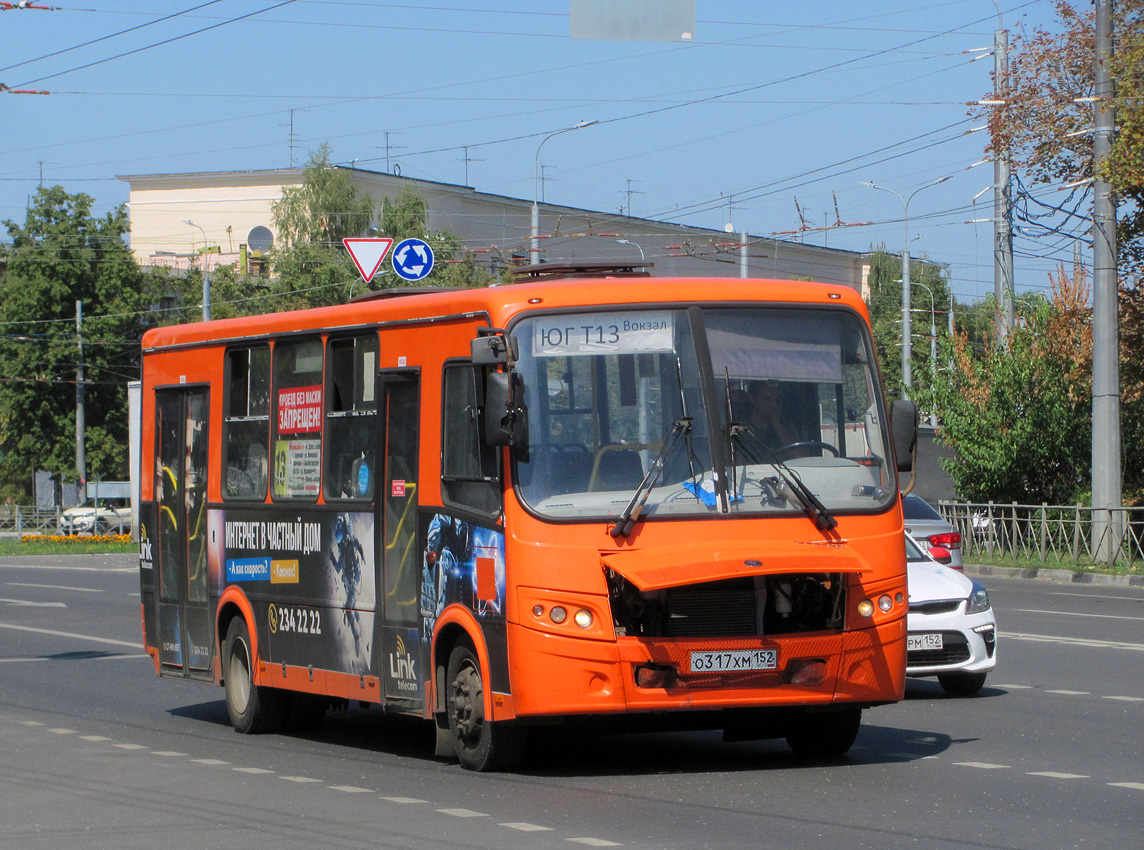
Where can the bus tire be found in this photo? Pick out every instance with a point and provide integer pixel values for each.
(253, 709)
(825, 734)
(480, 744)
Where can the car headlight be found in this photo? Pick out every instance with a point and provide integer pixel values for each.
(978, 600)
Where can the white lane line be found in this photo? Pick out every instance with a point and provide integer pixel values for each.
(1013, 687)
(405, 801)
(62, 731)
(1067, 693)
(1054, 775)
(167, 753)
(1125, 699)
(982, 765)
(112, 657)
(31, 723)
(252, 770)
(1096, 596)
(28, 603)
(211, 762)
(526, 827)
(594, 842)
(129, 746)
(299, 779)
(134, 644)
(462, 813)
(95, 738)
(1076, 614)
(1097, 644)
(350, 789)
(73, 569)
(1135, 786)
(54, 587)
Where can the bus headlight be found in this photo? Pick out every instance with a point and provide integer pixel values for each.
(885, 603)
(584, 618)
(558, 614)
(866, 608)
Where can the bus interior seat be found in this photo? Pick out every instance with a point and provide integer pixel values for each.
(619, 469)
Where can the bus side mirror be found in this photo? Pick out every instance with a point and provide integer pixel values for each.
(506, 417)
(493, 347)
(904, 432)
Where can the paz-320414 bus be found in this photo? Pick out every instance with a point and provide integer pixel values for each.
(596, 496)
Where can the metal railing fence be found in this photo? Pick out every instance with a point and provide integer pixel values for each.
(16, 519)
(1064, 535)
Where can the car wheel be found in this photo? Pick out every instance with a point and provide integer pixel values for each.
(824, 735)
(480, 743)
(252, 708)
(962, 684)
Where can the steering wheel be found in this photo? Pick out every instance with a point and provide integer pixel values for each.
(792, 449)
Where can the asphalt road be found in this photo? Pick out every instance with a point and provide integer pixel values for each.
(98, 752)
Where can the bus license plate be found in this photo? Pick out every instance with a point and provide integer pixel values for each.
(734, 660)
(921, 642)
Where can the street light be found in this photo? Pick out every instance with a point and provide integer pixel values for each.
(907, 348)
(535, 253)
(206, 273)
(932, 342)
(634, 245)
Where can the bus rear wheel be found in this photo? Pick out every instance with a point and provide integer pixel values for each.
(480, 743)
(252, 708)
(825, 734)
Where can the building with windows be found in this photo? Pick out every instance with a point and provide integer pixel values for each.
(223, 218)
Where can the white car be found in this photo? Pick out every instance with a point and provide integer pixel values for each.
(952, 628)
(97, 516)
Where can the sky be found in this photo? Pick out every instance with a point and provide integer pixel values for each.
(769, 119)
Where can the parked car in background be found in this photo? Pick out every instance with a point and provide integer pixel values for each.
(931, 529)
(951, 625)
(97, 516)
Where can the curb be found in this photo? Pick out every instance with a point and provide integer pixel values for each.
(1063, 576)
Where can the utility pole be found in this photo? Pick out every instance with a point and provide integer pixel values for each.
(1107, 518)
(80, 424)
(1002, 197)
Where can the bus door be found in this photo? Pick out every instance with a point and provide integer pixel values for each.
(181, 426)
(402, 666)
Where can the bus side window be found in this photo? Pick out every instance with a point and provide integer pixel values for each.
(351, 418)
(298, 391)
(246, 462)
(469, 467)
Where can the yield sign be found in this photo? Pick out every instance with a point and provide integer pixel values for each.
(367, 254)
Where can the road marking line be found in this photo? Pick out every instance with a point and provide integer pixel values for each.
(1136, 786)
(129, 746)
(210, 762)
(462, 813)
(1098, 644)
(252, 770)
(1015, 687)
(1076, 614)
(982, 765)
(95, 738)
(1054, 775)
(168, 753)
(526, 827)
(404, 800)
(350, 789)
(31, 723)
(1067, 693)
(27, 603)
(63, 731)
(299, 779)
(134, 644)
(54, 587)
(594, 842)
(1125, 699)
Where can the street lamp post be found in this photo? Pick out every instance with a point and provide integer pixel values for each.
(932, 343)
(534, 257)
(907, 348)
(206, 273)
(634, 245)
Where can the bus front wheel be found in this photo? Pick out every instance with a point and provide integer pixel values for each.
(252, 708)
(480, 743)
(825, 734)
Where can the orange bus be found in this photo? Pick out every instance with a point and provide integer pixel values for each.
(589, 493)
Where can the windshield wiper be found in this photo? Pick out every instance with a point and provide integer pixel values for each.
(802, 495)
(631, 514)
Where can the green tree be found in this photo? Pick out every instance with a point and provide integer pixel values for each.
(885, 306)
(1018, 415)
(60, 255)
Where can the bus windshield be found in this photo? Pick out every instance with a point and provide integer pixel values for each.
(743, 406)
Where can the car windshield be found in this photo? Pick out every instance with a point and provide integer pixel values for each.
(762, 402)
